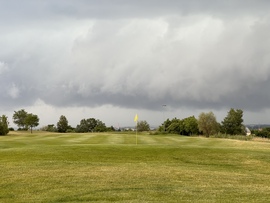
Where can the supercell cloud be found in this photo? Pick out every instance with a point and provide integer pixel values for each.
(192, 55)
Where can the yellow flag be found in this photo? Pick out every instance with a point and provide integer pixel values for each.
(136, 118)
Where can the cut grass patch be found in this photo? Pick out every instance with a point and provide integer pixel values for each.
(46, 167)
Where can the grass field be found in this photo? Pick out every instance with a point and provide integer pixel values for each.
(47, 167)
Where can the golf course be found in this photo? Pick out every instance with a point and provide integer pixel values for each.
(111, 167)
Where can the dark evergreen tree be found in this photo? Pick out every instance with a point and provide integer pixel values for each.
(3, 125)
(233, 122)
(62, 124)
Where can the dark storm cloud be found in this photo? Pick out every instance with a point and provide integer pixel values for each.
(32, 9)
(135, 54)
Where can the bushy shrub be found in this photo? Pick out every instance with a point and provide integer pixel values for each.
(143, 126)
(264, 133)
(70, 131)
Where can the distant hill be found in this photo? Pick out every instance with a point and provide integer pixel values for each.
(257, 126)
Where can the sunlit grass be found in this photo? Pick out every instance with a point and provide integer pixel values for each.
(105, 167)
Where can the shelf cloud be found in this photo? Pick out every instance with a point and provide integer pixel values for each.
(190, 55)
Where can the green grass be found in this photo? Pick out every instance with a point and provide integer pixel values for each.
(47, 167)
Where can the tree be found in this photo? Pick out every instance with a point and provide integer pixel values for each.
(176, 126)
(207, 123)
(49, 128)
(186, 126)
(110, 129)
(142, 126)
(191, 125)
(31, 121)
(233, 122)
(87, 125)
(19, 119)
(91, 125)
(100, 126)
(3, 125)
(62, 124)
(264, 132)
(82, 127)
(165, 125)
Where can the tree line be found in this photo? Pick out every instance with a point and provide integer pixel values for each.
(86, 125)
(206, 124)
(262, 132)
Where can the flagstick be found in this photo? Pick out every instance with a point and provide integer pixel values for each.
(136, 133)
(136, 120)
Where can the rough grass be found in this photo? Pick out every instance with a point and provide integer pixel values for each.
(47, 167)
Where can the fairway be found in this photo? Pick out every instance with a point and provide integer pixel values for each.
(110, 167)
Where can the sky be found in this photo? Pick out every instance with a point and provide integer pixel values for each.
(112, 59)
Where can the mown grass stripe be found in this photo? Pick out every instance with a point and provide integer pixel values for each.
(106, 167)
(115, 139)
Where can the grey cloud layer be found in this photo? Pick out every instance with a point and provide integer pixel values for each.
(136, 54)
(32, 10)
